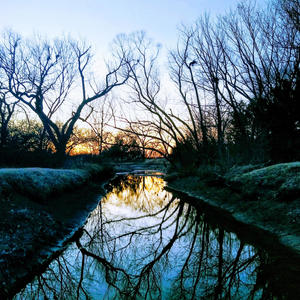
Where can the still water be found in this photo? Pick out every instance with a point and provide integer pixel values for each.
(143, 242)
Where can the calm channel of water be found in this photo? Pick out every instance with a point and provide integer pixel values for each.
(142, 242)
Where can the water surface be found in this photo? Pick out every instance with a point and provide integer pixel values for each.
(143, 242)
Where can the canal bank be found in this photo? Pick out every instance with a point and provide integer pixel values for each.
(44, 233)
(264, 198)
(41, 209)
(142, 241)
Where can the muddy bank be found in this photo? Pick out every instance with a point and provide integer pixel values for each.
(265, 198)
(34, 229)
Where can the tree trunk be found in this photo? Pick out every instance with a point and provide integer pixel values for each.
(4, 135)
(60, 155)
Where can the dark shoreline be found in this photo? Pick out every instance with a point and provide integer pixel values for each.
(250, 233)
(19, 267)
(61, 225)
(240, 213)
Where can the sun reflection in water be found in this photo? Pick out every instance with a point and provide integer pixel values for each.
(137, 194)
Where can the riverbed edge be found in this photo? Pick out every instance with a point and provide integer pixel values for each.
(216, 195)
(28, 261)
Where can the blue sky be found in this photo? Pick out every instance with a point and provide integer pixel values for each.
(99, 21)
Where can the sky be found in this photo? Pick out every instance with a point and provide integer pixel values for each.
(99, 21)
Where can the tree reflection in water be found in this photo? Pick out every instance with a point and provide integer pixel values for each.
(141, 242)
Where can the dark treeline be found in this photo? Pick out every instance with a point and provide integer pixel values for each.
(237, 84)
(233, 99)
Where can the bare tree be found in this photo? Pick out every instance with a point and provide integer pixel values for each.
(99, 120)
(262, 58)
(194, 68)
(182, 63)
(43, 75)
(291, 11)
(7, 109)
(144, 83)
(237, 69)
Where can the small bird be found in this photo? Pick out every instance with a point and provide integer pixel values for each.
(192, 63)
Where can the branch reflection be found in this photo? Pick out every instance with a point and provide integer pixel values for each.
(141, 242)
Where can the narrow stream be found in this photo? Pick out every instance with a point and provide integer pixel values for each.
(142, 242)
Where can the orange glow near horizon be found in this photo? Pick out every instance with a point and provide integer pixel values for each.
(84, 149)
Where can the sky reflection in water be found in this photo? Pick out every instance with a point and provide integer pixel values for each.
(142, 242)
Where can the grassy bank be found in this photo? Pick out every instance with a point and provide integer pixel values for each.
(41, 183)
(38, 216)
(279, 182)
(267, 198)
